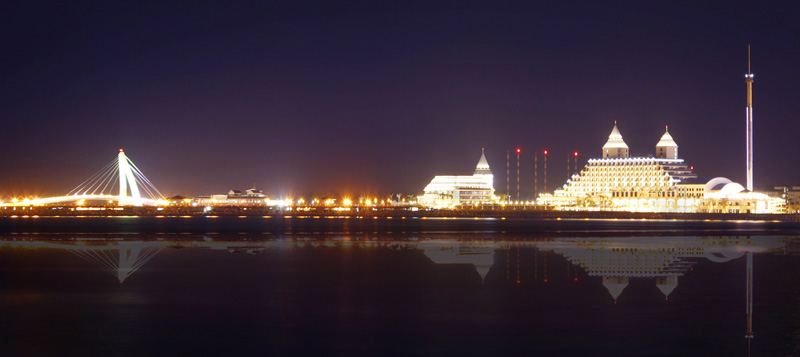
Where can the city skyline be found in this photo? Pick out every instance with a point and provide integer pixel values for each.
(374, 99)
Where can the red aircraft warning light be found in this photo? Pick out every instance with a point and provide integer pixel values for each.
(545, 152)
(576, 154)
(519, 150)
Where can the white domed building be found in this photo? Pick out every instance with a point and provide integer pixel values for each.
(659, 183)
(450, 191)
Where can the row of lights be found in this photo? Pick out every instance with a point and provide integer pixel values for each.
(344, 202)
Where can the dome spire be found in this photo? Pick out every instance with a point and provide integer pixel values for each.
(615, 147)
(666, 147)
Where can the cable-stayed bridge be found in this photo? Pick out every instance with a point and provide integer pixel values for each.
(120, 182)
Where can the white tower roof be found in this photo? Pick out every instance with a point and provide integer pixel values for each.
(483, 166)
(666, 139)
(615, 140)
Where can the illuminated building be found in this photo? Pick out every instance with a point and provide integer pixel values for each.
(251, 197)
(660, 183)
(790, 195)
(449, 191)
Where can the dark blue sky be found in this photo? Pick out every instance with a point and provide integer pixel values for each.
(322, 98)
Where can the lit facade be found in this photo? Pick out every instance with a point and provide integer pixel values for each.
(450, 191)
(251, 197)
(663, 183)
(790, 195)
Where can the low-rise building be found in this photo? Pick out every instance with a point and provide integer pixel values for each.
(251, 197)
(790, 195)
(455, 190)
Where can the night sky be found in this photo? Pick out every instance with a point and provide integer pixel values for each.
(362, 98)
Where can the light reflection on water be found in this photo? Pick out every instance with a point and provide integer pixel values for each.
(424, 294)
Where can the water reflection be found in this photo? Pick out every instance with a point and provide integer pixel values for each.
(615, 264)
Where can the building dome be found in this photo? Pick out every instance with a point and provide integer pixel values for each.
(716, 184)
(615, 146)
(666, 147)
(731, 188)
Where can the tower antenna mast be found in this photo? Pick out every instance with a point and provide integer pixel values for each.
(749, 132)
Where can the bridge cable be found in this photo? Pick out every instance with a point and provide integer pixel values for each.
(91, 186)
(102, 171)
(106, 179)
(110, 181)
(147, 182)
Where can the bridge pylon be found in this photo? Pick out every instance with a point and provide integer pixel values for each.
(126, 178)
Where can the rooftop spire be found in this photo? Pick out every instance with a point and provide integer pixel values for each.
(666, 147)
(615, 146)
(483, 165)
(666, 139)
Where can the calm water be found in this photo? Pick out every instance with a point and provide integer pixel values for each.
(345, 287)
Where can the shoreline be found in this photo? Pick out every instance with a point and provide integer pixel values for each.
(385, 212)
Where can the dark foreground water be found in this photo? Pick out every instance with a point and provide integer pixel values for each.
(386, 288)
